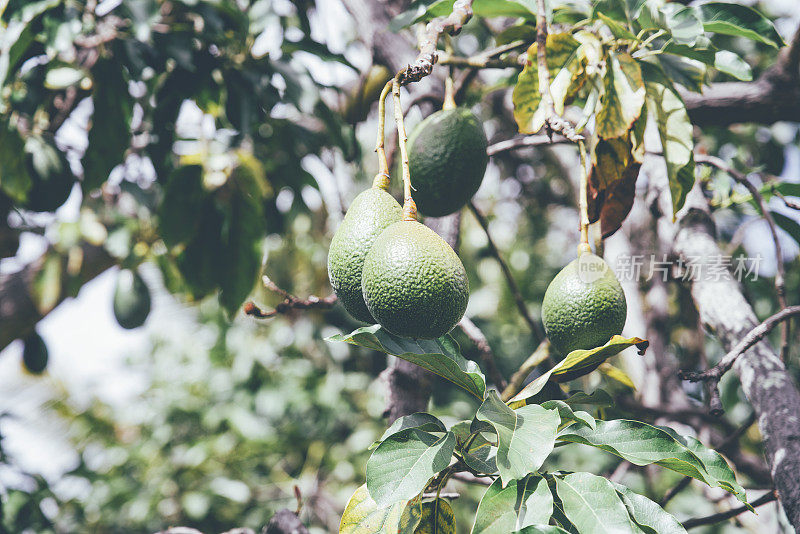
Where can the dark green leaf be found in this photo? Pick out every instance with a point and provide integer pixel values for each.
(683, 24)
(599, 398)
(423, 421)
(542, 529)
(401, 466)
(184, 196)
(790, 226)
(739, 20)
(15, 181)
(109, 135)
(481, 454)
(525, 436)
(568, 415)
(439, 356)
(437, 518)
(617, 29)
(643, 444)
(520, 504)
(684, 71)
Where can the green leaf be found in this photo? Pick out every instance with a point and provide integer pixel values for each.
(17, 36)
(675, 130)
(362, 515)
(578, 363)
(485, 8)
(788, 225)
(520, 504)
(439, 356)
(739, 20)
(184, 196)
(525, 437)
(650, 517)
(481, 455)
(705, 52)
(401, 466)
(423, 421)
(15, 181)
(643, 444)
(568, 415)
(730, 63)
(599, 398)
(437, 518)
(109, 135)
(623, 98)
(592, 504)
(563, 62)
(684, 71)
(617, 30)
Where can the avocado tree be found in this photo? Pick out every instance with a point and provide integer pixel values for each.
(626, 99)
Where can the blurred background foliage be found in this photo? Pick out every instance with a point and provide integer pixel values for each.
(251, 127)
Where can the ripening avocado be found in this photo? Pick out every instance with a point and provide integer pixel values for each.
(131, 299)
(51, 177)
(369, 214)
(447, 158)
(34, 354)
(584, 305)
(414, 283)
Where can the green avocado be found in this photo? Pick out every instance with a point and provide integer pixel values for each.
(34, 354)
(447, 158)
(369, 214)
(131, 300)
(414, 284)
(584, 305)
(51, 177)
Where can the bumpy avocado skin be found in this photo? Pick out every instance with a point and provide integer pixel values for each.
(583, 311)
(414, 283)
(34, 354)
(447, 158)
(131, 300)
(369, 214)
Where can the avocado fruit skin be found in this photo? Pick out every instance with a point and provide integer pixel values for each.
(447, 158)
(131, 300)
(584, 305)
(414, 283)
(369, 214)
(34, 354)
(50, 174)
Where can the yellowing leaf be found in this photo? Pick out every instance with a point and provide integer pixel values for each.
(437, 518)
(362, 515)
(617, 374)
(565, 69)
(578, 363)
(623, 98)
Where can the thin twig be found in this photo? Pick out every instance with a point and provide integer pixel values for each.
(481, 61)
(524, 141)
(780, 275)
(289, 303)
(487, 356)
(583, 202)
(712, 376)
(722, 516)
(472, 479)
(676, 489)
(452, 24)
(512, 284)
(539, 355)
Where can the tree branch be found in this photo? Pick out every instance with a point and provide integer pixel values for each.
(535, 328)
(780, 276)
(722, 516)
(452, 24)
(524, 141)
(765, 380)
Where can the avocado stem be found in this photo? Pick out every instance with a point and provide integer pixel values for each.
(583, 202)
(449, 93)
(409, 207)
(382, 179)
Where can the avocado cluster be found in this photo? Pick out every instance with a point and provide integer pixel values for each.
(584, 305)
(398, 273)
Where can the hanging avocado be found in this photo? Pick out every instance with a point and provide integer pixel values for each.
(131, 300)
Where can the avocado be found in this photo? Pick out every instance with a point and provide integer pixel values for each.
(131, 300)
(584, 305)
(414, 284)
(369, 214)
(51, 177)
(447, 158)
(34, 354)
